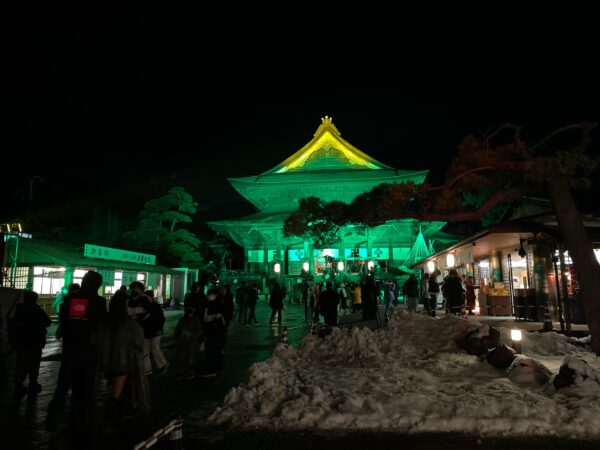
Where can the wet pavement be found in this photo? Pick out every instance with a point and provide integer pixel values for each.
(31, 424)
(322, 440)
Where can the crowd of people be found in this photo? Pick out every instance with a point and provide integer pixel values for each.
(117, 341)
(458, 292)
(122, 340)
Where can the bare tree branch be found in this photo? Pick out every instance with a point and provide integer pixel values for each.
(504, 196)
(461, 175)
(511, 126)
(586, 127)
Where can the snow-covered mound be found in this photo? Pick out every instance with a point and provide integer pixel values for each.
(411, 377)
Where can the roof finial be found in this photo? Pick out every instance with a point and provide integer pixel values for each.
(327, 124)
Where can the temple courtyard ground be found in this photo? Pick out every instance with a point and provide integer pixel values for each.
(30, 424)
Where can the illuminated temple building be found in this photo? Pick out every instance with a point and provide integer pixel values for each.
(330, 168)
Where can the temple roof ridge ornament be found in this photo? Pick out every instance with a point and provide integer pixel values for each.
(327, 150)
(327, 122)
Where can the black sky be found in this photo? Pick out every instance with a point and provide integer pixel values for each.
(113, 107)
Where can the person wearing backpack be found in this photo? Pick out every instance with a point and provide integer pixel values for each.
(28, 337)
(80, 315)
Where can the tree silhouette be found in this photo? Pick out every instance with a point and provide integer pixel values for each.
(158, 232)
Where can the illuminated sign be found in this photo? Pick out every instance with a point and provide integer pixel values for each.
(115, 254)
(296, 255)
(355, 253)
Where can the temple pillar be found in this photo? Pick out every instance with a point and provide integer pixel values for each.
(30, 277)
(265, 257)
(308, 256)
(545, 291)
(342, 253)
(68, 276)
(286, 260)
(469, 269)
(246, 253)
(496, 268)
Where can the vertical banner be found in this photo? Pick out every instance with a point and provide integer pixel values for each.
(129, 277)
(108, 277)
(152, 280)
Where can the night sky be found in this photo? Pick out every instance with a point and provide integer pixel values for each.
(114, 108)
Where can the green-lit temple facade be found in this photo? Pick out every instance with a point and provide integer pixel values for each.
(330, 168)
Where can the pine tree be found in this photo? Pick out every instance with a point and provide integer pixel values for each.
(160, 232)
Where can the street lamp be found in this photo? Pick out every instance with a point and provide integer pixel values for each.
(516, 336)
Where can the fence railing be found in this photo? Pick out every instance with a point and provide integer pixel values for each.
(174, 429)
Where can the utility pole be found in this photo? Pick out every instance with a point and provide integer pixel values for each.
(8, 232)
(2, 258)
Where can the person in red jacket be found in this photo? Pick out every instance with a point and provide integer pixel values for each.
(80, 316)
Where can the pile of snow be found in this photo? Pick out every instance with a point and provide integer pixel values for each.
(528, 371)
(412, 377)
(576, 373)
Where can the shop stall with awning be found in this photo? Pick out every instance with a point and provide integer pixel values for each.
(48, 266)
(508, 263)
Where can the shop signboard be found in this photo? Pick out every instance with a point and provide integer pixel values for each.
(115, 254)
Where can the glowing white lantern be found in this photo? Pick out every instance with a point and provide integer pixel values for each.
(340, 266)
(305, 266)
(370, 265)
(450, 260)
(277, 268)
(430, 266)
(516, 335)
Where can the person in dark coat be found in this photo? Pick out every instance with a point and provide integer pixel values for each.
(226, 297)
(120, 341)
(369, 296)
(31, 322)
(250, 300)
(276, 302)
(389, 297)
(304, 289)
(187, 334)
(454, 292)
(434, 289)
(155, 324)
(63, 383)
(410, 288)
(328, 303)
(81, 314)
(139, 306)
(195, 299)
(215, 331)
(240, 299)
(471, 298)
(425, 293)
